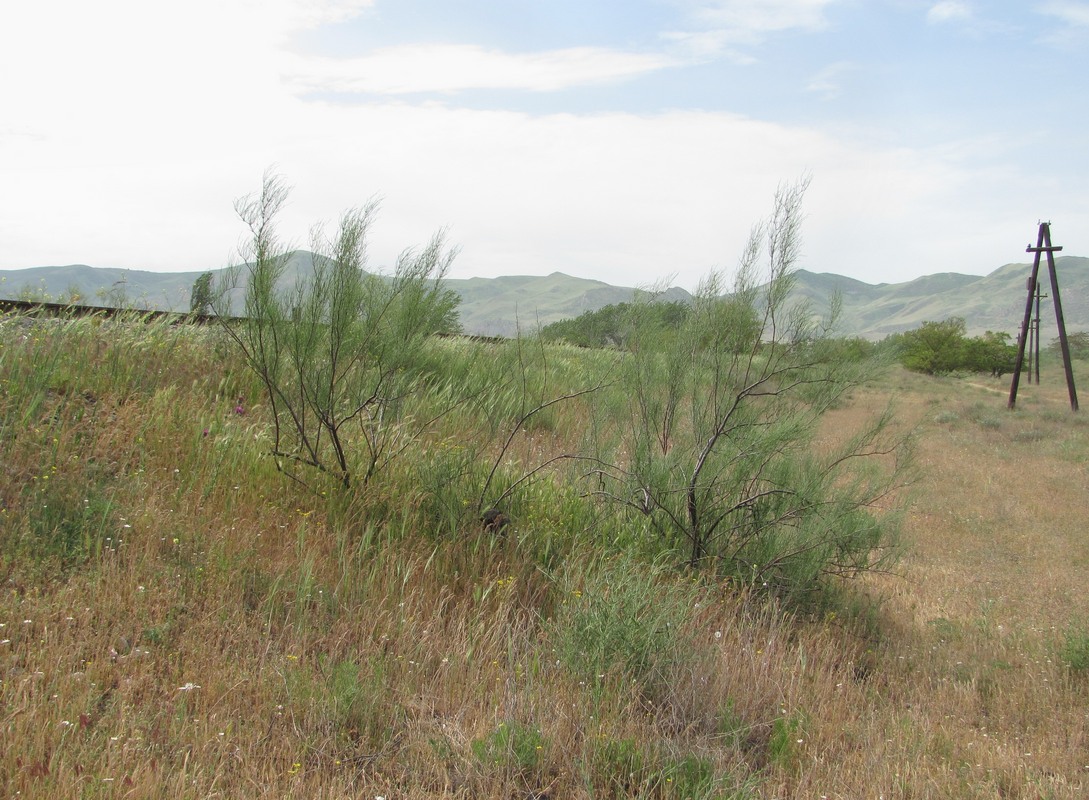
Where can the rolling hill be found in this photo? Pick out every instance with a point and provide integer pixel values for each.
(993, 302)
(502, 306)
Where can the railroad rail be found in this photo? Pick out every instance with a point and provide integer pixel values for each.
(34, 308)
(72, 310)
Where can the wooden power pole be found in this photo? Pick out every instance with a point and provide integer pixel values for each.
(1043, 245)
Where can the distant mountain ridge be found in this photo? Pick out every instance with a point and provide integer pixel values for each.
(503, 306)
(994, 302)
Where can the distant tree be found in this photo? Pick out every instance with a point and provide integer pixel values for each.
(615, 325)
(935, 347)
(733, 323)
(853, 349)
(991, 352)
(200, 299)
(941, 347)
(1078, 342)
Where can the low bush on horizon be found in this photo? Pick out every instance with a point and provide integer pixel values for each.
(938, 348)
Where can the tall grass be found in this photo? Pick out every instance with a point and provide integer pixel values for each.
(178, 620)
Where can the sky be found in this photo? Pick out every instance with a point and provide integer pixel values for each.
(629, 141)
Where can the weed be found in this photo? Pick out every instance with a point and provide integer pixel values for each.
(1075, 651)
(64, 528)
(618, 768)
(689, 778)
(787, 736)
(514, 749)
(1029, 435)
(623, 619)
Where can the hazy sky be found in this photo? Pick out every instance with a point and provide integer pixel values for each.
(624, 140)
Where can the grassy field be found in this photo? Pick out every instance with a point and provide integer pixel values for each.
(179, 620)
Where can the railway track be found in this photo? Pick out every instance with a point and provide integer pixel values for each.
(33, 308)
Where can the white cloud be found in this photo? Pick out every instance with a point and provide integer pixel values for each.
(449, 68)
(130, 131)
(725, 27)
(620, 197)
(827, 81)
(712, 44)
(629, 198)
(1072, 29)
(1070, 12)
(311, 13)
(766, 16)
(948, 11)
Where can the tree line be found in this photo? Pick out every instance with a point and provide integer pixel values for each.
(934, 348)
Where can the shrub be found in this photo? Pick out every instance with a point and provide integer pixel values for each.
(717, 452)
(616, 325)
(1078, 342)
(339, 355)
(943, 347)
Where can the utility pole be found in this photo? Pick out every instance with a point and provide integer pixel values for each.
(1043, 245)
(1033, 353)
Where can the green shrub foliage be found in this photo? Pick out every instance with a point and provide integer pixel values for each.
(1078, 343)
(200, 298)
(701, 435)
(616, 325)
(719, 451)
(339, 354)
(942, 347)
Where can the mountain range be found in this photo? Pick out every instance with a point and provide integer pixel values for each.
(502, 306)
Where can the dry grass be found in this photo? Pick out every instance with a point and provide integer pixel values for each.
(229, 636)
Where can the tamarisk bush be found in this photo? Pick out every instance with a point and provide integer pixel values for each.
(719, 453)
(340, 351)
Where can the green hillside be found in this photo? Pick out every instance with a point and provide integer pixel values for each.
(503, 306)
(992, 302)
